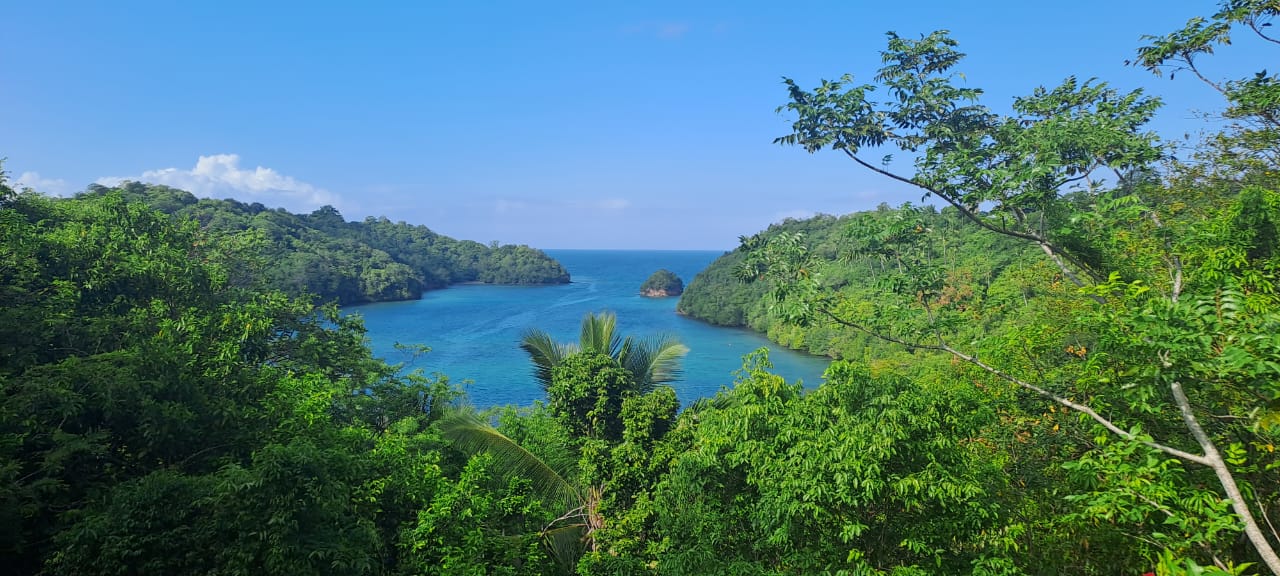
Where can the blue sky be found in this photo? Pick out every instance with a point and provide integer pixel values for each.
(558, 125)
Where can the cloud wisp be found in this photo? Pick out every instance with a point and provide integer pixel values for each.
(612, 204)
(220, 176)
(662, 30)
(34, 181)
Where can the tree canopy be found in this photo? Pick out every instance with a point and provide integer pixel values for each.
(348, 262)
(1070, 368)
(1164, 309)
(662, 283)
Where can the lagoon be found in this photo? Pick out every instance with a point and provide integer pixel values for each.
(474, 330)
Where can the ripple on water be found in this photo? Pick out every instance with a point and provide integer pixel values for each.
(474, 331)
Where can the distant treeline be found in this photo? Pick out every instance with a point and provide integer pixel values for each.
(374, 260)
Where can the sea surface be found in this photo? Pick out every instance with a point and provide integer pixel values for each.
(474, 330)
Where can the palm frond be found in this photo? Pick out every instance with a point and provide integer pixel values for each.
(473, 435)
(653, 361)
(600, 334)
(545, 354)
(566, 545)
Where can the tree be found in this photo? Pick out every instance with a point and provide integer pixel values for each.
(594, 394)
(1036, 176)
(662, 283)
(157, 417)
(1250, 144)
(651, 362)
(322, 255)
(864, 475)
(553, 481)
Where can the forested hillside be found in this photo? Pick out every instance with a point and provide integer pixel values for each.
(1085, 373)
(349, 262)
(987, 274)
(161, 413)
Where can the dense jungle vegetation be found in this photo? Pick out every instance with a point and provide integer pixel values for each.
(1074, 368)
(374, 260)
(992, 274)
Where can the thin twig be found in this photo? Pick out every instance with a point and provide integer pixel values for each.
(1263, 510)
(1254, 25)
(1054, 252)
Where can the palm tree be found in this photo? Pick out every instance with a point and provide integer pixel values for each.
(569, 535)
(652, 361)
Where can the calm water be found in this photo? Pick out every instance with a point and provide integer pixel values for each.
(474, 330)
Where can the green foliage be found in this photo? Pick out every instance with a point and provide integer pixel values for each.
(1061, 374)
(865, 475)
(650, 362)
(1249, 147)
(1164, 342)
(980, 275)
(157, 417)
(662, 282)
(472, 434)
(586, 394)
(715, 295)
(348, 262)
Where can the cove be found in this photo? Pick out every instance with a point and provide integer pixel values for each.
(474, 330)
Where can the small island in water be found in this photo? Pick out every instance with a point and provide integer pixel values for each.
(662, 284)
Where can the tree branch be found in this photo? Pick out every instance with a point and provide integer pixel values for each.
(1263, 510)
(1254, 26)
(1213, 459)
(944, 347)
(1109, 425)
(1171, 259)
(579, 512)
(876, 334)
(1056, 254)
(1191, 65)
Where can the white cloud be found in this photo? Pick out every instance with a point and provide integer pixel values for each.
(35, 181)
(220, 176)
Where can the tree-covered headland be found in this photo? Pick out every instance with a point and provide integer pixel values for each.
(985, 270)
(1099, 395)
(372, 260)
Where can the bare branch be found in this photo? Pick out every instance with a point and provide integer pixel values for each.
(579, 512)
(1057, 259)
(877, 334)
(1259, 32)
(1172, 259)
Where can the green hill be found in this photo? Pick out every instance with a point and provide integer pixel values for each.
(984, 270)
(374, 260)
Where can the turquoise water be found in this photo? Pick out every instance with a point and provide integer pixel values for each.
(474, 330)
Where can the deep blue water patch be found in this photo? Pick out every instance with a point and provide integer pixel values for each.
(474, 330)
